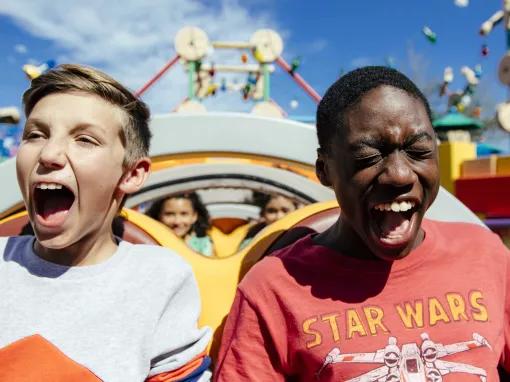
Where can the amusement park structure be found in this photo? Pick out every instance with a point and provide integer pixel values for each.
(265, 46)
(481, 183)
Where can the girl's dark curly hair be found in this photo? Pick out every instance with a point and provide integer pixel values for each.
(202, 224)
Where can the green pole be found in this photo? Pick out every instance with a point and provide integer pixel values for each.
(191, 79)
(267, 82)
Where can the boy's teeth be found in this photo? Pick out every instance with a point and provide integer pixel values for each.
(395, 206)
(49, 186)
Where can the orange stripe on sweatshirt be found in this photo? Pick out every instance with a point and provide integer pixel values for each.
(34, 358)
(180, 373)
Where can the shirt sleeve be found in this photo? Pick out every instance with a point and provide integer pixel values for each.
(178, 346)
(505, 357)
(247, 352)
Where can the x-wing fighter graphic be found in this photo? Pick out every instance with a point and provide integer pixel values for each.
(412, 362)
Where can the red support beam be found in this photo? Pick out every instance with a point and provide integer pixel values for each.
(157, 76)
(299, 80)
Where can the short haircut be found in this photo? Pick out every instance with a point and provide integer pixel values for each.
(348, 91)
(66, 78)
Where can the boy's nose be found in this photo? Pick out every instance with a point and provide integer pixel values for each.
(52, 155)
(397, 172)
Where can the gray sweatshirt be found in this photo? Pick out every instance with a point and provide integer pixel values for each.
(133, 316)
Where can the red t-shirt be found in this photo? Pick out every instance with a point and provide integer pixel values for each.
(309, 313)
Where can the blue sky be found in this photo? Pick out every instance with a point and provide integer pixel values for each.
(132, 39)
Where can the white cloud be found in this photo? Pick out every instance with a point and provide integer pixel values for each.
(132, 40)
(361, 61)
(33, 61)
(315, 46)
(20, 48)
(461, 3)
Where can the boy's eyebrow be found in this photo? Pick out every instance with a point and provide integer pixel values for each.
(36, 122)
(417, 137)
(373, 142)
(363, 143)
(85, 126)
(79, 127)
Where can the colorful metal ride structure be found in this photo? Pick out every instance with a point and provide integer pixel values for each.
(192, 46)
(482, 183)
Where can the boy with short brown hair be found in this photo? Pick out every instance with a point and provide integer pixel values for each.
(75, 304)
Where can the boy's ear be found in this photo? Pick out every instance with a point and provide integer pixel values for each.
(134, 178)
(321, 168)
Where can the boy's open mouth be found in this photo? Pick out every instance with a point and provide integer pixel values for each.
(394, 222)
(52, 203)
